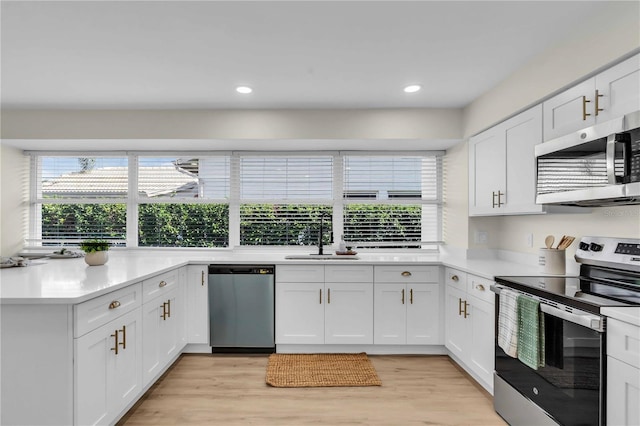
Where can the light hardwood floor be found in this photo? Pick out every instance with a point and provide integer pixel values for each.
(231, 390)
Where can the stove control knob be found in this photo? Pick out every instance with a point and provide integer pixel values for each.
(584, 246)
(595, 247)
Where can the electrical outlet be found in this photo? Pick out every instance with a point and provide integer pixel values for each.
(481, 237)
(529, 239)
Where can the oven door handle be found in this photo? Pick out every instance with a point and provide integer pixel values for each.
(593, 322)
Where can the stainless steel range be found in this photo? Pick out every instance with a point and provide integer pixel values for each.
(568, 387)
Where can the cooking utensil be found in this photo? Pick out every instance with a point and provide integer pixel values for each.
(548, 241)
(565, 242)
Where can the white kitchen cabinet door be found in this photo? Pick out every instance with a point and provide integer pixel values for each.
(390, 314)
(171, 327)
(152, 357)
(502, 167)
(522, 133)
(623, 393)
(161, 327)
(423, 314)
(610, 94)
(456, 329)
(619, 89)
(480, 350)
(564, 112)
(107, 382)
(299, 313)
(181, 305)
(197, 304)
(348, 313)
(487, 171)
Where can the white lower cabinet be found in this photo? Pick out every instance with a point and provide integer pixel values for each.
(197, 304)
(623, 373)
(407, 311)
(348, 313)
(299, 313)
(470, 328)
(162, 332)
(312, 311)
(108, 370)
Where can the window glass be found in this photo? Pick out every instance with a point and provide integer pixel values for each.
(183, 225)
(83, 177)
(284, 224)
(73, 222)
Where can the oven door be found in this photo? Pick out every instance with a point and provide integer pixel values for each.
(569, 387)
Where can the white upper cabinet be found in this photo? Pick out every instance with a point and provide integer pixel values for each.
(502, 172)
(608, 95)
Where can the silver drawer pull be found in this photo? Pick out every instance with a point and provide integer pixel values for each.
(405, 274)
(162, 284)
(114, 304)
(455, 278)
(480, 287)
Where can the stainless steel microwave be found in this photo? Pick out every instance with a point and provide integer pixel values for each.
(596, 166)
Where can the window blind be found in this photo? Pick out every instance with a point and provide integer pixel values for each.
(286, 178)
(174, 178)
(392, 201)
(79, 197)
(283, 224)
(183, 201)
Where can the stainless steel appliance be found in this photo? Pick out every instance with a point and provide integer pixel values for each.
(596, 166)
(241, 308)
(570, 387)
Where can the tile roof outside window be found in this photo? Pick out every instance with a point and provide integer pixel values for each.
(113, 181)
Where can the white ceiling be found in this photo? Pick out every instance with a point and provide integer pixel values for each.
(295, 54)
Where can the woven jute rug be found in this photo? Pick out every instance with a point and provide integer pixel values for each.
(316, 370)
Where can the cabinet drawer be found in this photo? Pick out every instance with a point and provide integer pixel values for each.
(407, 273)
(158, 285)
(455, 278)
(623, 341)
(96, 312)
(348, 274)
(300, 274)
(480, 288)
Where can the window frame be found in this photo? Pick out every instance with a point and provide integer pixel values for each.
(133, 200)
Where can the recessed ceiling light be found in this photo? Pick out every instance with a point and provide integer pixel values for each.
(413, 88)
(244, 89)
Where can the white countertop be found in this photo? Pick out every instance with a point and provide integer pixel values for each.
(70, 281)
(629, 314)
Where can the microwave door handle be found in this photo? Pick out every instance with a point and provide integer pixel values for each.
(611, 159)
(590, 321)
(612, 140)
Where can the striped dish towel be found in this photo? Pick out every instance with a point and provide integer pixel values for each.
(530, 332)
(508, 322)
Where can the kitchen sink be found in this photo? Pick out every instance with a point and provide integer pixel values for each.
(321, 257)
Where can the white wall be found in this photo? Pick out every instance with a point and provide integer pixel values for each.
(603, 41)
(414, 125)
(14, 203)
(233, 124)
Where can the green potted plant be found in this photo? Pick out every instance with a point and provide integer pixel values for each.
(96, 251)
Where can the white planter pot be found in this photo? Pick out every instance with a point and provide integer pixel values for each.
(96, 258)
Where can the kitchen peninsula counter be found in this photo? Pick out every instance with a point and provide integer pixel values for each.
(71, 281)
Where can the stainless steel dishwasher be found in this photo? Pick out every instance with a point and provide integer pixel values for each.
(241, 308)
